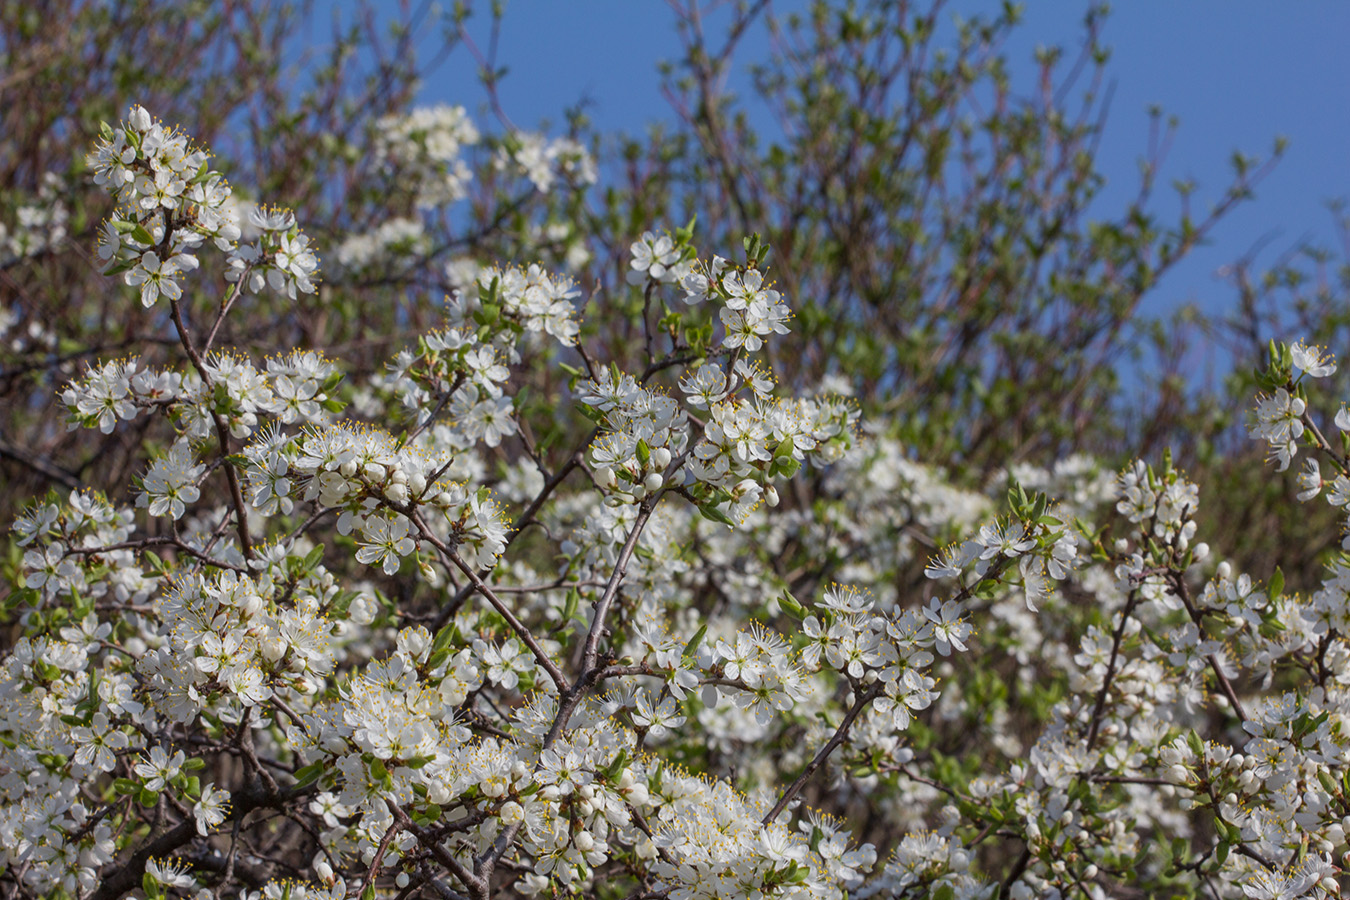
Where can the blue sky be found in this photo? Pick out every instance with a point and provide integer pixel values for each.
(1235, 72)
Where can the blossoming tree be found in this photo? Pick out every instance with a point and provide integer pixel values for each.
(326, 660)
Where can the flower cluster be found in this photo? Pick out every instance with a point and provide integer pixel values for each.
(544, 161)
(295, 388)
(171, 203)
(39, 225)
(424, 149)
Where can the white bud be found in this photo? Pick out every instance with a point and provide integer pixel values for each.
(396, 493)
(585, 807)
(417, 483)
(626, 779)
(1224, 571)
(583, 841)
(653, 482)
(1122, 545)
(1201, 551)
(348, 469)
(604, 476)
(398, 476)
(661, 457)
(646, 849)
(272, 648)
(637, 794)
(1090, 872)
(444, 500)
(771, 495)
(374, 471)
(401, 880)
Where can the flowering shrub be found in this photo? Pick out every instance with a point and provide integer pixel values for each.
(328, 660)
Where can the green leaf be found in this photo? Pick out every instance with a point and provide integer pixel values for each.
(697, 639)
(789, 605)
(309, 774)
(709, 511)
(1276, 586)
(570, 607)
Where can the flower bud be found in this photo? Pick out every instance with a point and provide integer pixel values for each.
(653, 482)
(583, 841)
(1224, 571)
(771, 495)
(604, 476)
(660, 457)
(396, 493)
(374, 471)
(1122, 545)
(348, 468)
(417, 483)
(1201, 551)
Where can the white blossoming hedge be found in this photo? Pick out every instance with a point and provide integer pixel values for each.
(317, 656)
